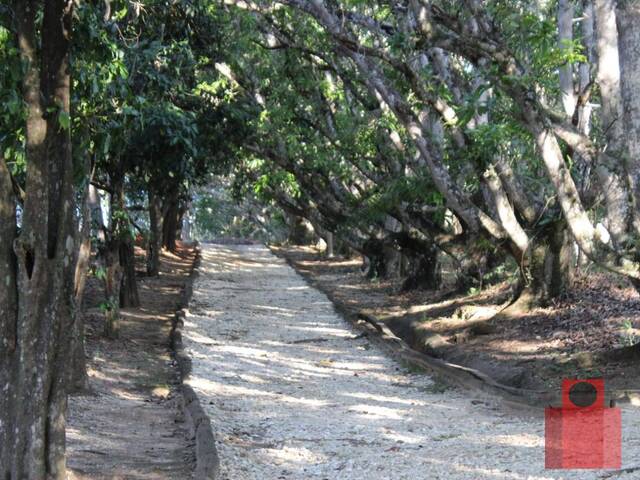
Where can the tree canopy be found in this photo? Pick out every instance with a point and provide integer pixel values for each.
(413, 133)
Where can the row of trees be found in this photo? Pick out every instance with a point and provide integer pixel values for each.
(104, 133)
(410, 131)
(479, 131)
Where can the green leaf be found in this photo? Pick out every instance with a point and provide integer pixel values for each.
(64, 119)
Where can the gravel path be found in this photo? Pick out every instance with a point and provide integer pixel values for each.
(293, 393)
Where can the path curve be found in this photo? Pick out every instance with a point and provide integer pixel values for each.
(294, 393)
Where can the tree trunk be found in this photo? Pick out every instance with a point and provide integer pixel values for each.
(610, 170)
(156, 221)
(36, 300)
(393, 256)
(129, 296)
(186, 225)
(565, 37)
(112, 258)
(547, 272)
(476, 262)
(170, 223)
(329, 241)
(112, 284)
(299, 232)
(425, 272)
(374, 265)
(585, 234)
(393, 260)
(94, 222)
(608, 74)
(628, 21)
(79, 379)
(97, 215)
(8, 324)
(182, 210)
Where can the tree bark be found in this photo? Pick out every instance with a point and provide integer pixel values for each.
(186, 224)
(299, 233)
(170, 222)
(329, 241)
(8, 293)
(111, 255)
(565, 37)
(505, 212)
(35, 363)
(182, 210)
(156, 221)
(547, 128)
(548, 270)
(610, 168)
(393, 255)
(608, 74)
(425, 272)
(377, 82)
(112, 284)
(569, 200)
(129, 296)
(628, 21)
(375, 265)
(393, 261)
(79, 378)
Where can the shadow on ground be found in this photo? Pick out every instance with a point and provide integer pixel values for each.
(129, 426)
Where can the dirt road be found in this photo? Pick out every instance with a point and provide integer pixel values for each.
(128, 426)
(294, 393)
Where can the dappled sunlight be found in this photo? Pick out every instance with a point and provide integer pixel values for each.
(225, 389)
(73, 433)
(252, 378)
(299, 455)
(297, 289)
(115, 372)
(520, 348)
(126, 395)
(294, 392)
(385, 398)
(530, 440)
(315, 328)
(197, 337)
(496, 473)
(270, 362)
(287, 312)
(203, 312)
(402, 437)
(125, 424)
(242, 351)
(376, 412)
(140, 316)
